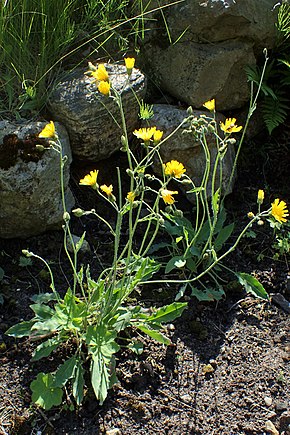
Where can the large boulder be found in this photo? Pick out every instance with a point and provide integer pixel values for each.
(199, 49)
(185, 148)
(92, 119)
(30, 194)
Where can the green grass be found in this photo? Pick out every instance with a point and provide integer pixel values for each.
(37, 37)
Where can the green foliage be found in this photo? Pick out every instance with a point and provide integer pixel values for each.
(252, 285)
(275, 85)
(92, 323)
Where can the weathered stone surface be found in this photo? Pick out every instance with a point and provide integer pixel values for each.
(90, 117)
(30, 195)
(208, 60)
(184, 147)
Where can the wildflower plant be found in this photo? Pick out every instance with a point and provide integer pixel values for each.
(93, 311)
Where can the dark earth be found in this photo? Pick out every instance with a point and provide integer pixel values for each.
(227, 371)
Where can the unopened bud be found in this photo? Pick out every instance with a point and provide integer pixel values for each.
(39, 148)
(66, 216)
(250, 215)
(190, 110)
(26, 253)
(124, 141)
(260, 222)
(78, 212)
(130, 172)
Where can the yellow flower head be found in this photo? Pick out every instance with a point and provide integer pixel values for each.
(107, 189)
(131, 196)
(157, 136)
(90, 179)
(279, 210)
(210, 105)
(230, 126)
(145, 133)
(167, 196)
(129, 63)
(174, 169)
(101, 74)
(251, 215)
(261, 196)
(104, 87)
(48, 132)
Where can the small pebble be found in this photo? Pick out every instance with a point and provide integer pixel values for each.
(171, 327)
(186, 398)
(269, 427)
(268, 400)
(113, 432)
(281, 406)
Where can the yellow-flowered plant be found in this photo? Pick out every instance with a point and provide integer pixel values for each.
(229, 126)
(167, 195)
(101, 74)
(174, 169)
(104, 88)
(90, 179)
(279, 210)
(94, 311)
(210, 105)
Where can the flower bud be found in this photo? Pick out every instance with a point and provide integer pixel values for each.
(123, 141)
(189, 110)
(26, 253)
(250, 215)
(260, 222)
(66, 216)
(39, 148)
(78, 212)
(130, 172)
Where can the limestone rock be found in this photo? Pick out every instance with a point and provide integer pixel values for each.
(212, 41)
(90, 117)
(185, 148)
(30, 195)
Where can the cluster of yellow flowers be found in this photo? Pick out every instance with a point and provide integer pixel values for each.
(229, 126)
(148, 134)
(101, 75)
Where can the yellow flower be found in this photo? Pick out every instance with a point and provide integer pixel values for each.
(174, 169)
(230, 126)
(131, 196)
(129, 63)
(261, 196)
(48, 132)
(210, 105)
(90, 179)
(104, 87)
(145, 133)
(107, 189)
(279, 210)
(251, 215)
(167, 196)
(101, 74)
(157, 136)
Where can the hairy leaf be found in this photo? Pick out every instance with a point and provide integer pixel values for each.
(252, 285)
(44, 393)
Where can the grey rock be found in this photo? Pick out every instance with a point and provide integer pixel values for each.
(90, 117)
(211, 43)
(268, 400)
(30, 195)
(186, 149)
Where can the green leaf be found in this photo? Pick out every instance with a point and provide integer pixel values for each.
(208, 294)
(136, 347)
(80, 242)
(223, 236)
(154, 334)
(45, 348)
(44, 393)
(252, 285)
(64, 372)
(167, 313)
(43, 298)
(22, 329)
(78, 382)
(100, 377)
(42, 311)
(215, 201)
(172, 263)
(24, 261)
